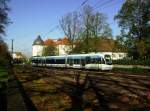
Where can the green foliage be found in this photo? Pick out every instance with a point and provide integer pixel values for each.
(49, 51)
(95, 27)
(96, 44)
(120, 43)
(3, 78)
(134, 18)
(3, 73)
(4, 54)
(3, 16)
(84, 29)
(132, 62)
(131, 70)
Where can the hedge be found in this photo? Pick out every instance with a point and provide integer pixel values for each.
(132, 62)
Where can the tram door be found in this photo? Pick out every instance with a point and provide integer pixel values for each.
(83, 62)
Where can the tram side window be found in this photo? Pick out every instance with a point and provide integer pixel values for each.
(94, 60)
(42, 61)
(36, 61)
(33, 61)
(60, 61)
(102, 61)
(98, 60)
(49, 61)
(88, 60)
(83, 61)
(70, 61)
(76, 61)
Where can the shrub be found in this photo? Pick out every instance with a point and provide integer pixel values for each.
(132, 62)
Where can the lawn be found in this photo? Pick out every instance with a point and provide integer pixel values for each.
(3, 88)
(131, 70)
(3, 78)
(3, 75)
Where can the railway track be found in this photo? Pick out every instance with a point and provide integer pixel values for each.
(103, 90)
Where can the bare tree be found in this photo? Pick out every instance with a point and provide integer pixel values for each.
(94, 26)
(70, 25)
(85, 28)
(87, 15)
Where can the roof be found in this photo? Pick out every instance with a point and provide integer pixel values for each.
(49, 42)
(63, 41)
(38, 41)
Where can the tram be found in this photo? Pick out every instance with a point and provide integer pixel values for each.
(80, 61)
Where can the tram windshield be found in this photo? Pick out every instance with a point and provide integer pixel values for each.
(108, 59)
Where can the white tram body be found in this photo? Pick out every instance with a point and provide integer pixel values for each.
(80, 61)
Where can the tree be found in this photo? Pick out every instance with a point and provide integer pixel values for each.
(71, 26)
(50, 48)
(120, 43)
(134, 19)
(3, 17)
(94, 27)
(100, 29)
(4, 54)
(84, 29)
(49, 51)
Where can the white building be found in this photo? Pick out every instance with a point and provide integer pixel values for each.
(17, 55)
(37, 47)
(63, 48)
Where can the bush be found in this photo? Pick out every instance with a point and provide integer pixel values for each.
(5, 56)
(131, 70)
(132, 62)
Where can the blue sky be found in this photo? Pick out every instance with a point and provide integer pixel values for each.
(37, 17)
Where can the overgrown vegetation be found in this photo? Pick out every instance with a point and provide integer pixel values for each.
(50, 48)
(134, 20)
(4, 54)
(85, 29)
(3, 87)
(132, 62)
(3, 74)
(131, 70)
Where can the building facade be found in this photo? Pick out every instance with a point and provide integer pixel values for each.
(37, 47)
(17, 55)
(63, 47)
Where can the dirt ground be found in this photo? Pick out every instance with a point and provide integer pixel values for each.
(75, 90)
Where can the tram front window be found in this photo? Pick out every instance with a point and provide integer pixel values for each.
(108, 59)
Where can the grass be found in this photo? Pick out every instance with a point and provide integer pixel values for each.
(3, 88)
(132, 62)
(131, 70)
(3, 76)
